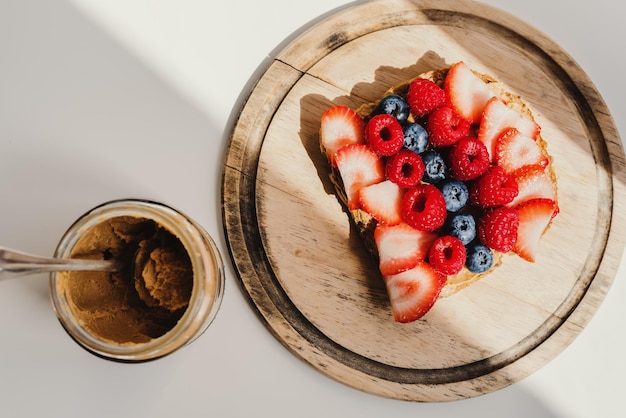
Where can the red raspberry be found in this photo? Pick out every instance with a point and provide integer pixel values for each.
(468, 159)
(424, 96)
(384, 134)
(424, 207)
(494, 188)
(406, 168)
(447, 255)
(497, 228)
(446, 127)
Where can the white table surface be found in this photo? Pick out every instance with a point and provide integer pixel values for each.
(130, 98)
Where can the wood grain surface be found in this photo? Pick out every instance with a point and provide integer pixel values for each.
(301, 263)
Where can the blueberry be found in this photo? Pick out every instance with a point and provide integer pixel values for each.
(462, 226)
(455, 193)
(436, 169)
(395, 106)
(415, 137)
(479, 258)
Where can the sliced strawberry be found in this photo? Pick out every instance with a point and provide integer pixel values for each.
(514, 150)
(497, 118)
(413, 292)
(534, 217)
(382, 201)
(400, 247)
(532, 182)
(467, 93)
(340, 126)
(359, 167)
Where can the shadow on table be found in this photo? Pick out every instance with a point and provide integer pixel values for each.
(516, 401)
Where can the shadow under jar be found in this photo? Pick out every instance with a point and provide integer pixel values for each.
(166, 292)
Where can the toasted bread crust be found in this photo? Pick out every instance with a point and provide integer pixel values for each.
(365, 224)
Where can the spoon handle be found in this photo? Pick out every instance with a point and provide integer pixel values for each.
(15, 263)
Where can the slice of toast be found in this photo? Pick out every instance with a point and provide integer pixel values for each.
(366, 224)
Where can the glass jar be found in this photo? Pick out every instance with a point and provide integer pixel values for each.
(81, 300)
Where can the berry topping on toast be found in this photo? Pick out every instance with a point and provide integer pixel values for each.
(406, 168)
(442, 177)
(412, 293)
(534, 217)
(468, 159)
(461, 226)
(395, 106)
(447, 255)
(446, 127)
(479, 258)
(435, 170)
(497, 118)
(424, 96)
(415, 137)
(384, 135)
(401, 247)
(514, 150)
(424, 207)
(497, 228)
(455, 193)
(494, 188)
(533, 181)
(340, 126)
(359, 167)
(382, 201)
(466, 92)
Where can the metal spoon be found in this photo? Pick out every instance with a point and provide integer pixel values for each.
(16, 263)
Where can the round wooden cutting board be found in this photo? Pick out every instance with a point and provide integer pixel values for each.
(301, 262)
